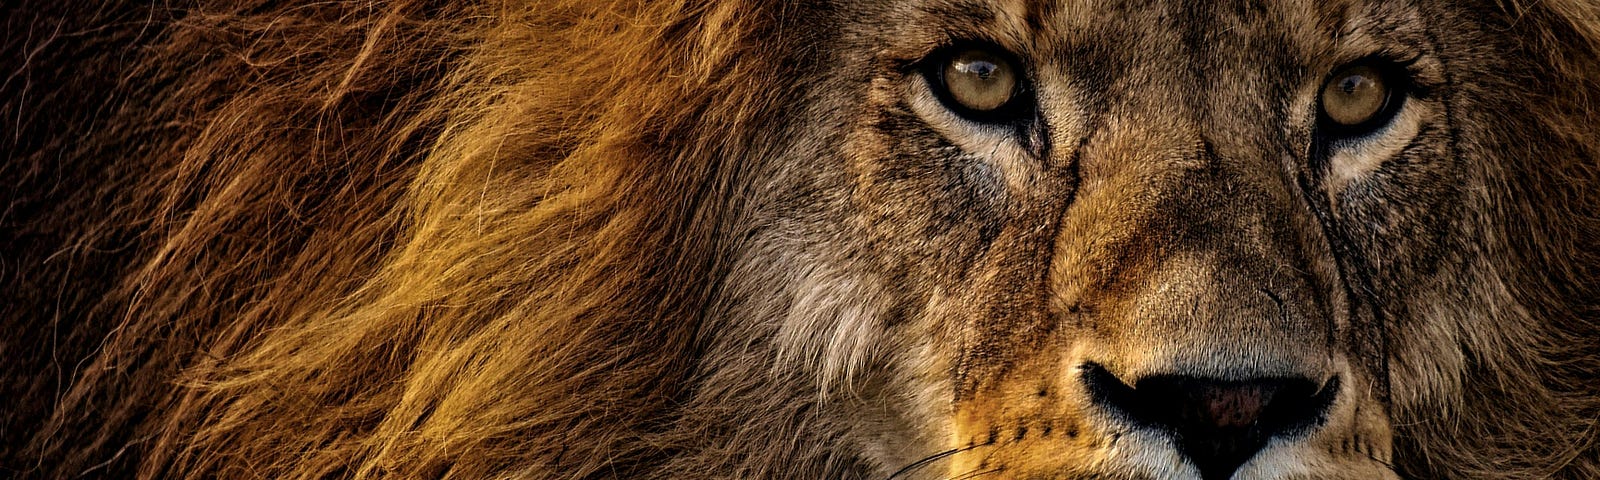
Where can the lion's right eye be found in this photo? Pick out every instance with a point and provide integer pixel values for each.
(1360, 98)
(980, 83)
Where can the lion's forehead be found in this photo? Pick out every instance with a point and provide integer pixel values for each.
(1155, 36)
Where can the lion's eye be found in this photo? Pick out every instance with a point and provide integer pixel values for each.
(1358, 99)
(980, 83)
(979, 80)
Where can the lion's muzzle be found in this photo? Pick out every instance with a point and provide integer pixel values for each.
(1199, 326)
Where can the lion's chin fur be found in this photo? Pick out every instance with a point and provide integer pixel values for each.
(424, 239)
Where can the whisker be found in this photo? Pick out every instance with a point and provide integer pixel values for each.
(928, 460)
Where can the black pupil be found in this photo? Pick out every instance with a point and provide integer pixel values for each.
(983, 69)
(1351, 83)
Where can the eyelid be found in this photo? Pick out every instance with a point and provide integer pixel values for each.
(1421, 70)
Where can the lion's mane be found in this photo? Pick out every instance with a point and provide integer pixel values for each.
(462, 239)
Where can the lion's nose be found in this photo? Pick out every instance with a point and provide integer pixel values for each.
(1218, 424)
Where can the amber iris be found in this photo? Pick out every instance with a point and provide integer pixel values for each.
(979, 80)
(1355, 96)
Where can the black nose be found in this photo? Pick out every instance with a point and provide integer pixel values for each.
(1218, 424)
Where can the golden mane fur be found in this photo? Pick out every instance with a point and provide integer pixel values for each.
(425, 239)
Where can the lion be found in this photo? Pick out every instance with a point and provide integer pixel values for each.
(822, 239)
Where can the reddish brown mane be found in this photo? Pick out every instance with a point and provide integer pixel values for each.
(366, 207)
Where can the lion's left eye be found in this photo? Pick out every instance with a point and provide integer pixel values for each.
(979, 80)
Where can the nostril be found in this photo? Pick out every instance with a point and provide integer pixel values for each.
(1218, 424)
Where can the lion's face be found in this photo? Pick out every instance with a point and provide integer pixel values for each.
(1126, 240)
(752, 239)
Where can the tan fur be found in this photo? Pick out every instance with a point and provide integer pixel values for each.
(419, 239)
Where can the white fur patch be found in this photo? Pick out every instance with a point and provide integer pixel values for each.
(996, 145)
(1354, 160)
(832, 327)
